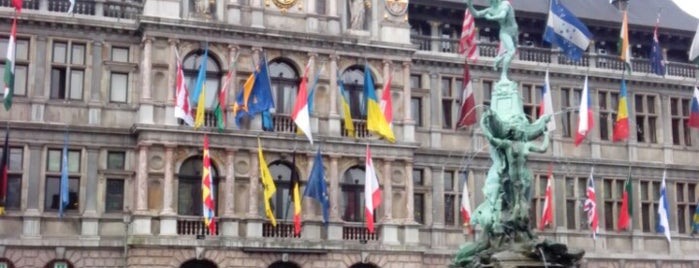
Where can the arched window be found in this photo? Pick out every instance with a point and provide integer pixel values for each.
(284, 264)
(285, 85)
(353, 81)
(59, 264)
(189, 200)
(190, 67)
(198, 264)
(5, 263)
(281, 201)
(352, 202)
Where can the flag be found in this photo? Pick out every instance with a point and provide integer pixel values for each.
(695, 221)
(663, 213)
(261, 91)
(344, 99)
(626, 211)
(621, 128)
(694, 49)
(207, 190)
(9, 77)
(466, 206)
(547, 211)
(17, 4)
(546, 106)
(375, 120)
(295, 197)
(623, 43)
(300, 114)
(240, 106)
(183, 108)
(372, 193)
(467, 42)
(566, 31)
(200, 91)
(312, 91)
(591, 205)
(657, 62)
(72, 6)
(694, 111)
(220, 110)
(64, 188)
(316, 187)
(4, 165)
(585, 118)
(267, 183)
(467, 113)
(386, 102)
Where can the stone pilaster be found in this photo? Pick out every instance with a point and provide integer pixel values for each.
(312, 221)
(335, 225)
(408, 122)
(254, 222)
(95, 109)
(141, 223)
(435, 114)
(90, 224)
(168, 217)
(334, 119)
(233, 51)
(37, 91)
(31, 220)
(390, 228)
(146, 107)
(171, 83)
(228, 222)
(411, 232)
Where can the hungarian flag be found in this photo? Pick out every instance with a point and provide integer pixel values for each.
(207, 189)
(372, 193)
(621, 129)
(546, 106)
(10, 64)
(626, 212)
(585, 119)
(295, 196)
(467, 113)
(547, 212)
(183, 108)
(386, 102)
(300, 114)
(623, 45)
(4, 165)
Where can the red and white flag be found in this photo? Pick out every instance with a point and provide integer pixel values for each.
(467, 113)
(585, 118)
(547, 212)
(591, 205)
(183, 109)
(372, 192)
(386, 102)
(467, 42)
(300, 114)
(466, 206)
(546, 106)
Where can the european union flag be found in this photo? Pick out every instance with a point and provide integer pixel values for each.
(316, 188)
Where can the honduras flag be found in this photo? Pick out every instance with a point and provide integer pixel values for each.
(564, 30)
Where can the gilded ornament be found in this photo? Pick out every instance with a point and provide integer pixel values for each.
(397, 8)
(284, 4)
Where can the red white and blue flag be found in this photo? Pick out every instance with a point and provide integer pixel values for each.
(591, 205)
(546, 106)
(694, 112)
(372, 192)
(585, 118)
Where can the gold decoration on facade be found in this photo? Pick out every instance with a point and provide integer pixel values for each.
(285, 4)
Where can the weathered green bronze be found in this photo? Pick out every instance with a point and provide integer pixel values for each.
(504, 214)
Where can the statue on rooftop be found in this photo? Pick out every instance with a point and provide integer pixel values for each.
(501, 12)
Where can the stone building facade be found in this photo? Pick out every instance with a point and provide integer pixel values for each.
(105, 78)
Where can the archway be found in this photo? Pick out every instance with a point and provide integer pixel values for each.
(363, 265)
(285, 83)
(198, 264)
(284, 264)
(59, 264)
(190, 68)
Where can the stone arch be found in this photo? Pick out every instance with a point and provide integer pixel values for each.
(189, 174)
(194, 263)
(214, 74)
(53, 263)
(283, 264)
(216, 162)
(364, 265)
(285, 78)
(8, 263)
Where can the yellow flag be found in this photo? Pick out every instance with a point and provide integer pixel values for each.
(267, 183)
(349, 125)
(199, 118)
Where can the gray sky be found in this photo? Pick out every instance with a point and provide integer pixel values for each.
(689, 6)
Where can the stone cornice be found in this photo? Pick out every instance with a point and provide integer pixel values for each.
(55, 25)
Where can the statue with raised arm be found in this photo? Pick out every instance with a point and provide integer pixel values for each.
(501, 12)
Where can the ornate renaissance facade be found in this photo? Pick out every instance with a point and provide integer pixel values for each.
(106, 76)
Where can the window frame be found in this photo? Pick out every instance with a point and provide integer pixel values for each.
(452, 213)
(190, 76)
(282, 197)
(570, 100)
(355, 90)
(577, 199)
(419, 121)
(538, 197)
(194, 180)
(281, 84)
(646, 117)
(679, 118)
(125, 89)
(354, 191)
(686, 204)
(608, 104)
(420, 189)
(487, 90)
(67, 66)
(531, 100)
(612, 192)
(73, 176)
(19, 62)
(449, 100)
(14, 174)
(649, 204)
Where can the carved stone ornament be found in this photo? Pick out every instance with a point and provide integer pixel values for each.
(397, 7)
(284, 4)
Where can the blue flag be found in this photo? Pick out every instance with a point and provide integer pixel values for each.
(311, 93)
(566, 31)
(64, 189)
(695, 221)
(261, 95)
(657, 63)
(316, 188)
(663, 212)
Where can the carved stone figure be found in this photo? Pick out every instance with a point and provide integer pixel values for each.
(357, 13)
(502, 13)
(201, 6)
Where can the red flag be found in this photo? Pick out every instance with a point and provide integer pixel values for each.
(467, 113)
(467, 42)
(183, 109)
(626, 207)
(372, 192)
(547, 213)
(591, 205)
(18, 5)
(386, 102)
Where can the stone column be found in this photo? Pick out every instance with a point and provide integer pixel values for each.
(334, 20)
(254, 222)
(168, 217)
(335, 225)
(438, 234)
(146, 107)
(257, 19)
(435, 120)
(412, 232)
(434, 30)
(229, 223)
(90, 224)
(37, 91)
(171, 83)
(230, 97)
(390, 229)
(313, 220)
(312, 70)
(141, 222)
(95, 109)
(31, 220)
(311, 21)
(408, 122)
(335, 118)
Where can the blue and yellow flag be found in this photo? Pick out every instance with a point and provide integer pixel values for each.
(376, 121)
(695, 221)
(349, 125)
(199, 95)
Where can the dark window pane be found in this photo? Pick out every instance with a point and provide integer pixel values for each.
(115, 195)
(115, 160)
(676, 131)
(415, 81)
(652, 129)
(681, 219)
(650, 101)
(58, 83)
(16, 159)
(52, 196)
(416, 110)
(448, 181)
(570, 214)
(645, 217)
(417, 177)
(603, 125)
(638, 102)
(446, 114)
(446, 87)
(640, 132)
(419, 208)
(449, 210)
(14, 192)
(609, 215)
(674, 107)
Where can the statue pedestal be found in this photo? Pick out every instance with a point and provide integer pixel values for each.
(510, 259)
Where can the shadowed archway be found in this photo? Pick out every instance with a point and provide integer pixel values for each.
(363, 265)
(283, 264)
(198, 264)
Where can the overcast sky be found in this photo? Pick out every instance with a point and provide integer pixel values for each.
(689, 6)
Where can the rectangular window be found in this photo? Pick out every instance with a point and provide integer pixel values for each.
(416, 110)
(420, 191)
(613, 190)
(576, 193)
(120, 54)
(679, 113)
(608, 104)
(116, 160)
(686, 206)
(14, 179)
(447, 102)
(487, 91)
(119, 87)
(52, 197)
(67, 71)
(650, 193)
(538, 193)
(320, 7)
(55, 161)
(114, 195)
(570, 100)
(531, 97)
(21, 64)
(646, 118)
(415, 81)
(449, 199)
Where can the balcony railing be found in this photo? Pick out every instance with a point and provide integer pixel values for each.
(360, 233)
(26, 4)
(121, 9)
(534, 54)
(283, 123)
(209, 119)
(360, 129)
(283, 229)
(193, 226)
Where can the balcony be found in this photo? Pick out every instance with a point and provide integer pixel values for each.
(360, 233)
(554, 57)
(119, 9)
(209, 119)
(283, 229)
(283, 123)
(193, 226)
(360, 129)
